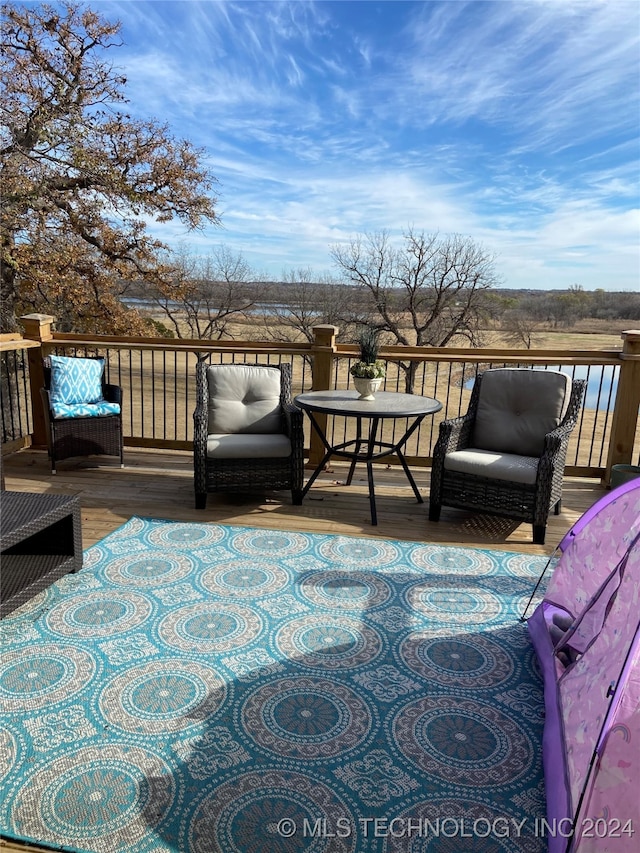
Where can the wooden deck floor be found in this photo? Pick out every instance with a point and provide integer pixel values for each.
(159, 484)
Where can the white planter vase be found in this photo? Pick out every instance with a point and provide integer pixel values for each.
(367, 387)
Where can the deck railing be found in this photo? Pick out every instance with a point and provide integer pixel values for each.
(157, 377)
(15, 409)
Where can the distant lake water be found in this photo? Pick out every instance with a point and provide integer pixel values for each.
(261, 308)
(602, 382)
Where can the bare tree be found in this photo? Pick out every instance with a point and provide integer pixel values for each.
(208, 295)
(426, 293)
(519, 327)
(301, 301)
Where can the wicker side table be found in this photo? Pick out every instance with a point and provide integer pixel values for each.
(40, 540)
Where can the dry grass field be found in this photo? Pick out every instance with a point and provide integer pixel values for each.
(159, 391)
(583, 336)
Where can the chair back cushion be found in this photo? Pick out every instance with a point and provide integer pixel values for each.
(243, 398)
(517, 407)
(75, 380)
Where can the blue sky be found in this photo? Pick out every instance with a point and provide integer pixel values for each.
(516, 123)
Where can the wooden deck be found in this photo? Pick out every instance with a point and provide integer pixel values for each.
(159, 484)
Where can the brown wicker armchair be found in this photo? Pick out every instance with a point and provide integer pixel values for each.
(248, 435)
(84, 434)
(506, 456)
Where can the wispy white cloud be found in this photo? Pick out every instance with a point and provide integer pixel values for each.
(537, 67)
(515, 122)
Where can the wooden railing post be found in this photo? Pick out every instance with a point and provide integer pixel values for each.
(625, 414)
(37, 327)
(322, 351)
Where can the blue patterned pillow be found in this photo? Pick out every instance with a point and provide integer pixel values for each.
(76, 380)
(84, 410)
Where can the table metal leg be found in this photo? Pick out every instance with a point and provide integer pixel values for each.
(315, 474)
(357, 450)
(372, 494)
(414, 426)
(325, 458)
(371, 444)
(412, 482)
(368, 456)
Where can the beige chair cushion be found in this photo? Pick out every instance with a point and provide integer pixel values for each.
(497, 466)
(518, 407)
(248, 446)
(243, 398)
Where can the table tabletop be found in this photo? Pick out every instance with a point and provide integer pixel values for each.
(386, 404)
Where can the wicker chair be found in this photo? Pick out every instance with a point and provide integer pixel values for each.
(506, 456)
(98, 434)
(247, 432)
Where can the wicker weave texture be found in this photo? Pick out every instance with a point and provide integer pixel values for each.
(40, 540)
(524, 502)
(238, 475)
(25, 575)
(94, 436)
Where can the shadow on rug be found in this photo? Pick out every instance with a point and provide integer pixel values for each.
(204, 688)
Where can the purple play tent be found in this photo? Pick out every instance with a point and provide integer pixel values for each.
(586, 633)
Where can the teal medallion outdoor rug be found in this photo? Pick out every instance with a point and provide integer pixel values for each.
(201, 688)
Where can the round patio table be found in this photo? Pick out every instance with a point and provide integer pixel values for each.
(366, 448)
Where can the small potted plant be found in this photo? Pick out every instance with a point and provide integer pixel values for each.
(369, 371)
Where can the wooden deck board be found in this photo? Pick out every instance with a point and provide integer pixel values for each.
(158, 483)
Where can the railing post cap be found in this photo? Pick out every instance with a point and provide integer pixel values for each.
(630, 342)
(324, 337)
(326, 328)
(37, 326)
(40, 318)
